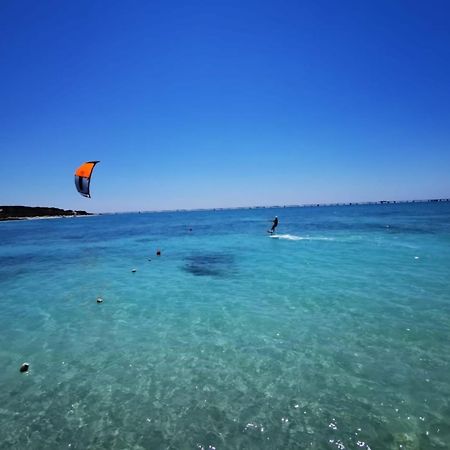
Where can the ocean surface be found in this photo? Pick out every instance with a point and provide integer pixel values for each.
(332, 334)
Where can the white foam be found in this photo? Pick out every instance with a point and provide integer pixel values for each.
(292, 237)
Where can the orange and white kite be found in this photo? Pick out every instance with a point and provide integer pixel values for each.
(83, 178)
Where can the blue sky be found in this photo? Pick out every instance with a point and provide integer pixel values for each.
(223, 104)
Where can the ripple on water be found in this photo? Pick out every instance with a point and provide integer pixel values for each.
(230, 339)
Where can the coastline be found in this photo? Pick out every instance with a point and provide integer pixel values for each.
(45, 217)
(16, 212)
(61, 213)
(300, 205)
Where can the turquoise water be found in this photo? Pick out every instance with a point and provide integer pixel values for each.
(335, 334)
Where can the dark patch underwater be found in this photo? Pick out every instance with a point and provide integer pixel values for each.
(210, 264)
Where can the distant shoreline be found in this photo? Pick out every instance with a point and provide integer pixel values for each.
(37, 212)
(15, 219)
(303, 205)
(34, 213)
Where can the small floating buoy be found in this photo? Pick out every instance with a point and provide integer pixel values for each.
(133, 270)
(24, 367)
(99, 300)
(158, 252)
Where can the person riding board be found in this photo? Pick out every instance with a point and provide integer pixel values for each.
(274, 224)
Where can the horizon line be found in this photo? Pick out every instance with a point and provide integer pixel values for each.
(301, 205)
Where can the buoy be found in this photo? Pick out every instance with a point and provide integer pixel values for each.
(99, 300)
(133, 270)
(24, 367)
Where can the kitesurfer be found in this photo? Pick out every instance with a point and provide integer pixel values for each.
(274, 224)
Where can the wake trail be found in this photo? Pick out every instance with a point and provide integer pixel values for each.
(293, 237)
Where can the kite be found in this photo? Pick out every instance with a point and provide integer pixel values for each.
(83, 177)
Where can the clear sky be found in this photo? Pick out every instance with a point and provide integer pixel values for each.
(194, 104)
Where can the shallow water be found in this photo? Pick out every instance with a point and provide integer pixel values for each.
(334, 333)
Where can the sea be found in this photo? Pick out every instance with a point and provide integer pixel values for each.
(333, 333)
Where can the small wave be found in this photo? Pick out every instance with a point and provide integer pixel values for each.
(292, 237)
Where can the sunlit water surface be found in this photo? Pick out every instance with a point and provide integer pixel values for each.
(334, 333)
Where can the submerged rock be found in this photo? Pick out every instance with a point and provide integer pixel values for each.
(210, 264)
